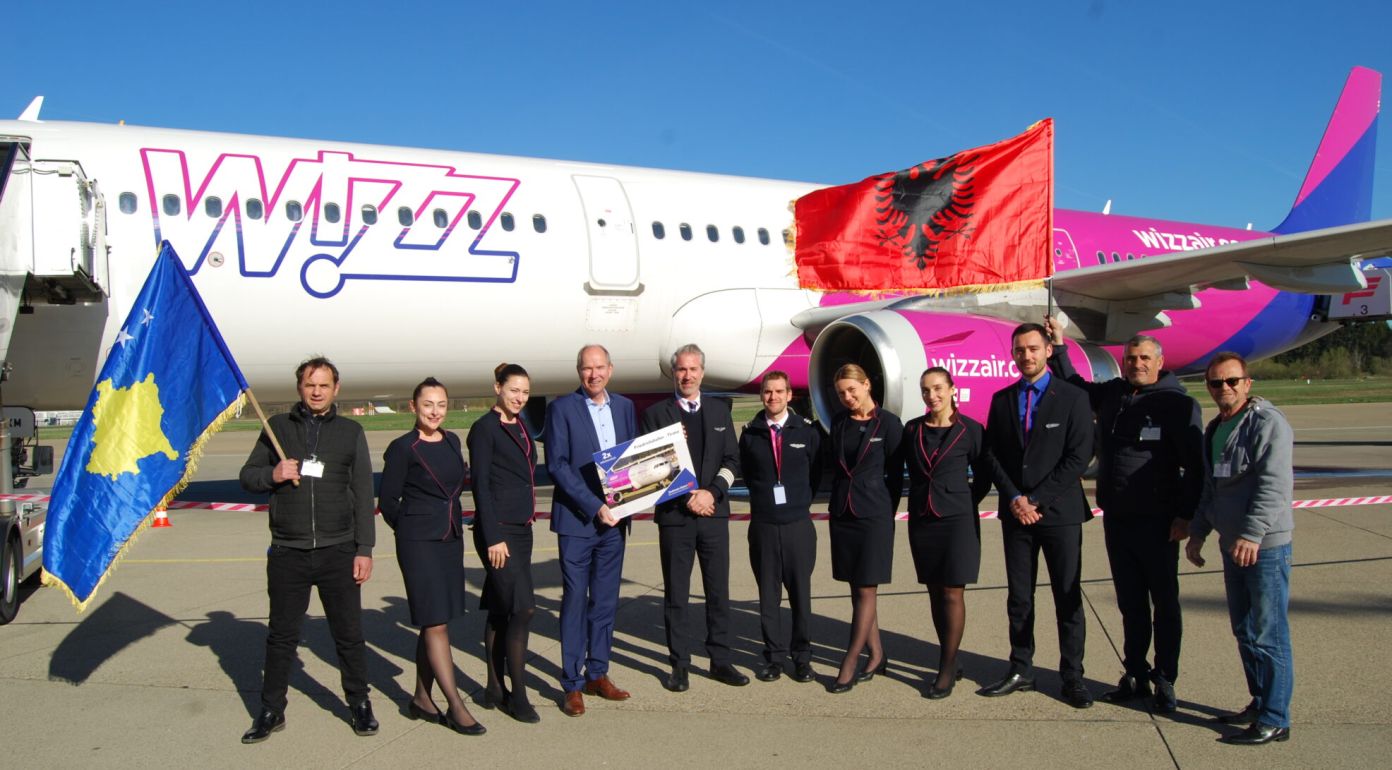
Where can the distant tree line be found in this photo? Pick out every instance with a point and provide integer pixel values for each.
(1358, 350)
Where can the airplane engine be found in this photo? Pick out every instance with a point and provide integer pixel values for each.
(895, 346)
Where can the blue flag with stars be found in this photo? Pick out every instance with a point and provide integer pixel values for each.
(168, 383)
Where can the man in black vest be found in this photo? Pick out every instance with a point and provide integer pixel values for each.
(697, 525)
(322, 533)
(780, 454)
(1149, 475)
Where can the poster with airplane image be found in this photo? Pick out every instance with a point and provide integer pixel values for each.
(651, 469)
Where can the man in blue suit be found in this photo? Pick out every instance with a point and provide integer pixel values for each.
(591, 540)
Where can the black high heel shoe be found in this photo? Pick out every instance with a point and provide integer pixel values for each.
(416, 712)
(492, 700)
(476, 728)
(836, 688)
(936, 693)
(870, 673)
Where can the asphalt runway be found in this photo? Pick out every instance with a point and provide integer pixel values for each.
(164, 669)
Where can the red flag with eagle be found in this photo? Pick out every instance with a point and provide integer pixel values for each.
(979, 219)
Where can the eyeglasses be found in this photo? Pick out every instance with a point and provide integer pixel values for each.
(1231, 382)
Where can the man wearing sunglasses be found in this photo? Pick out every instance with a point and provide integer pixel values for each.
(1150, 472)
(1247, 497)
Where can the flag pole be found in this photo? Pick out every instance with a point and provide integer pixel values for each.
(266, 426)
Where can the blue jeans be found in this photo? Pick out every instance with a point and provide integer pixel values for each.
(1257, 600)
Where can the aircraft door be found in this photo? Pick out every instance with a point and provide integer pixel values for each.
(612, 234)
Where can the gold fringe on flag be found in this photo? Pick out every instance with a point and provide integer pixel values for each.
(195, 453)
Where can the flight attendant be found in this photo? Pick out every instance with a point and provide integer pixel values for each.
(867, 481)
(422, 479)
(503, 458)
(944, 526)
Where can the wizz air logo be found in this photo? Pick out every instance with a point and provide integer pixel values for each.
(332, 218)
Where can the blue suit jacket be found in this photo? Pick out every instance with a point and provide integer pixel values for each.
(571, 442)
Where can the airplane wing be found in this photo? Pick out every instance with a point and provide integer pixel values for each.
(1110, 303)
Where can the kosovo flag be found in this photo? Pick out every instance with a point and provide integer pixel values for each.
(168, 384)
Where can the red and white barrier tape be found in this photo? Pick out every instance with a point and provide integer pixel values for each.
(1330, 502)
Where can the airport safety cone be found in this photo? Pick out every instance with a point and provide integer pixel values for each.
(161, 518)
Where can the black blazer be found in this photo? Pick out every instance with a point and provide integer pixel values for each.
(504, 476)
(719, 462)
(1050, 469)
(413, 503)
(801, 463)
(945, 483)
(872, 486)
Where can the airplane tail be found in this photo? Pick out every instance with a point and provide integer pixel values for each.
(1338, 188)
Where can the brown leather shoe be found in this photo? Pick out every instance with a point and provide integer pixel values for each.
(574, 705)
(605, 688)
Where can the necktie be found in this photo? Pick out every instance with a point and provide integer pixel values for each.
(691, 407)
(1029, 411)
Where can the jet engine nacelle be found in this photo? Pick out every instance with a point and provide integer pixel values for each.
(895, 346)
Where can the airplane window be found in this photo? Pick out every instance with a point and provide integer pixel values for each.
(294, 211)
(1130, 256)
(171, 205)
(332, 213)
(1101, 257)
(212, 206)
(127, 203)
(713, 233)
(254, 210)
(369, 214)
(763, 236)
(404, 215)
(685, 230)
(787, 236)
(539, 223)
(659, 232)
(441, 218)
(738, 232)
(507, 222)
(1116, 257)
(475, 220)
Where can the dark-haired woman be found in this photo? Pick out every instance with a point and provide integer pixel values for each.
(503, 458)
(944, 527)
(419, 496)
(867, 481)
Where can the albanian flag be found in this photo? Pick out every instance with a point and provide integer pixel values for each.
(975, 220)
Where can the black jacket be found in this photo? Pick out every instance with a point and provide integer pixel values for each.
(412, 500)
(1149, 444)
(1049, 469)
(504, 473)
(718, 464)
(950, 492)
(872, 485)
(801, 468)
(331, 510)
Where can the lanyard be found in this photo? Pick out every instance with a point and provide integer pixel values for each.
(931, 463)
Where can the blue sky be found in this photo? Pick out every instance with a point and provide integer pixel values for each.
(1195, 111)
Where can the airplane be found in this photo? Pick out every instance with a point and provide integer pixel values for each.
(400, 263)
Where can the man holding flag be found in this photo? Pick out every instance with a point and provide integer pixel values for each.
(322, 533)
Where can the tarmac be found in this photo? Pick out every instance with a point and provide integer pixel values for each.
(164, 668)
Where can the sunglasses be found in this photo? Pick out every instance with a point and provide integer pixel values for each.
(1231, 382)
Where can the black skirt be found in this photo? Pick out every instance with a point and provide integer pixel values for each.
(507, 590)
(433, 571)
(946, 551)
(862, 550)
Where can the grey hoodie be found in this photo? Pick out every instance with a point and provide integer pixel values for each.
(1254, 500)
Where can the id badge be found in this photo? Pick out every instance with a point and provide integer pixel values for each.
(312, 469)
(1222, 470)
(780, 495)
(1150, 433)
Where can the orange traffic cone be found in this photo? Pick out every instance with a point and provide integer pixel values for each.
(161, 518)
